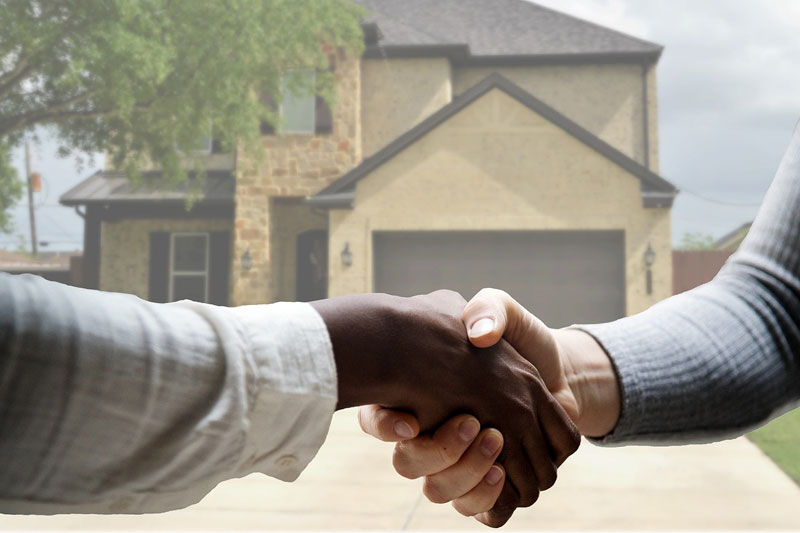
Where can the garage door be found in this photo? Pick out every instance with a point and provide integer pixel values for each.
(564, 277)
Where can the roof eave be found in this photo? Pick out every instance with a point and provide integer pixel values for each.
(460, 54)
(658, 199)
(343, 200)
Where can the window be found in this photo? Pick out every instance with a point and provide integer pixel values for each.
(298, 105)
(202, 145)
(188, 267)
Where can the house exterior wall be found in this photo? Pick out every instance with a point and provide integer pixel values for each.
(398, 94)
(125, 249)
(292, 165)
(606, 99)
(497, 165)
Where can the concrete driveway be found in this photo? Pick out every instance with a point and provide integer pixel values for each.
(351, 485)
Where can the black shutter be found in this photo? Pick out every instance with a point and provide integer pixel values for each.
(323, 120)
(219, 267)
(158, 290)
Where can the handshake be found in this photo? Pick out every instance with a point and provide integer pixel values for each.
(432, 370)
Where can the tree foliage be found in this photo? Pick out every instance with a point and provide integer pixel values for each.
(696, 241)
(136, 79)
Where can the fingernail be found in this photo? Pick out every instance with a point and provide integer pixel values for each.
(403, 430)
(490, 445)
(493, 476)
(468, 429)
(481, 327)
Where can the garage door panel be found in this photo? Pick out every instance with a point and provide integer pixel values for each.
(564, 277)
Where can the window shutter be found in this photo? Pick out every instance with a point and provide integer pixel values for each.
(219, 267)
(158, 282)
(323, 119)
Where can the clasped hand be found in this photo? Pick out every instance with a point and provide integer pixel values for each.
(428, 372)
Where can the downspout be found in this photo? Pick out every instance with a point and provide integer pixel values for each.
(645, 117)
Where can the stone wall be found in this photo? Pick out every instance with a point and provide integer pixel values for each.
(497, 165)
(125, 249)
(292, 165)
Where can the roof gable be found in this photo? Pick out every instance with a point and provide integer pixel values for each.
(656, 191)
(495, 29)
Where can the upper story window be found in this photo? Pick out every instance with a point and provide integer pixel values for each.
(298, 102)
(205, 144)
(188, 267)
(301, 110)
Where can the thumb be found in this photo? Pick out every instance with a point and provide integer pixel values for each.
(486, 317)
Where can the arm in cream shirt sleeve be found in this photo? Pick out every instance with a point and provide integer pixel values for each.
(111, 404)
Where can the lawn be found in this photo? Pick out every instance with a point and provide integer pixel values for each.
(780, 440)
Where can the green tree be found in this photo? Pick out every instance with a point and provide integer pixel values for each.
(138, 78)
(696, 241)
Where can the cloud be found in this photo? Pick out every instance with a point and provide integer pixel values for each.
(729, 95)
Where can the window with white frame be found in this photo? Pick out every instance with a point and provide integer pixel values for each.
(188, 267)
(298, 104)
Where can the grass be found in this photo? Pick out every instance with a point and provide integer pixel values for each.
(780, 440)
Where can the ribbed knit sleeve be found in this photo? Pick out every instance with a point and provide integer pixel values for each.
(723, 358)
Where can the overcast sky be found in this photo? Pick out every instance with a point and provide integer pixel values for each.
(729, 98)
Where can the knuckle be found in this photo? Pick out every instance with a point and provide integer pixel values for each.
(402, 464)
(433, 491)
(463, 509)
(529, 498)
(548, 478)
(447, 455)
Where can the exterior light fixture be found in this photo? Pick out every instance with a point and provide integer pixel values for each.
(347, 255)
(247, 260)
(649, 259)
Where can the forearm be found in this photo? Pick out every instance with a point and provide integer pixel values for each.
(722, 358)
(113, 404)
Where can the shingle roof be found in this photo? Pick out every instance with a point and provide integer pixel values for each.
(497, 28)
(656, 191)
(108, 187)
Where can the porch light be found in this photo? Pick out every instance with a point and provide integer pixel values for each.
(347, 255)
(649, 256)
(649, 259)
(247, 260)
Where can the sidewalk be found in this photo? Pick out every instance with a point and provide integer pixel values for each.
(351, 485)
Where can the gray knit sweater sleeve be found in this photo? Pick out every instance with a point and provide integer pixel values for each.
(723, 358)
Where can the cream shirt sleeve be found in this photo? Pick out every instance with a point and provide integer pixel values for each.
(111, 404)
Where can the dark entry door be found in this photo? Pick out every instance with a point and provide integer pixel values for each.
(564, 277)
(312, 265)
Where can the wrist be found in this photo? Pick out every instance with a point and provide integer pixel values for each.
(591, 377)
(360, 328)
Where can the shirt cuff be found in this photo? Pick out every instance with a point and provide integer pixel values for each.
(295, 387)
(622, 351)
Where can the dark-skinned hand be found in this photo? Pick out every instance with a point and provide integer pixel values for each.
(413, 354)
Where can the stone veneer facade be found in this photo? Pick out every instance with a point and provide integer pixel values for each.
(293, 165)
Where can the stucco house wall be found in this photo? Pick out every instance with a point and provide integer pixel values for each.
(125, 249)
(398, 94)
(497, 165)
(606, 99)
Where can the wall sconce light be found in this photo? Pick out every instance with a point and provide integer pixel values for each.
(649, 259)
(347, 255)
(247, 260)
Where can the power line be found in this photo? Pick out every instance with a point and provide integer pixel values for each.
(716, 200)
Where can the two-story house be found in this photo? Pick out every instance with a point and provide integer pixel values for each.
(475, 143)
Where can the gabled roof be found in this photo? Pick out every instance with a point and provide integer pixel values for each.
(656, 191)
(113, 187)
(494, 30)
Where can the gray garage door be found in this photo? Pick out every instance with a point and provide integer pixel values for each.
(564, 277)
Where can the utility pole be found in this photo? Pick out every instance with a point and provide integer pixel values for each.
(34, 244)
